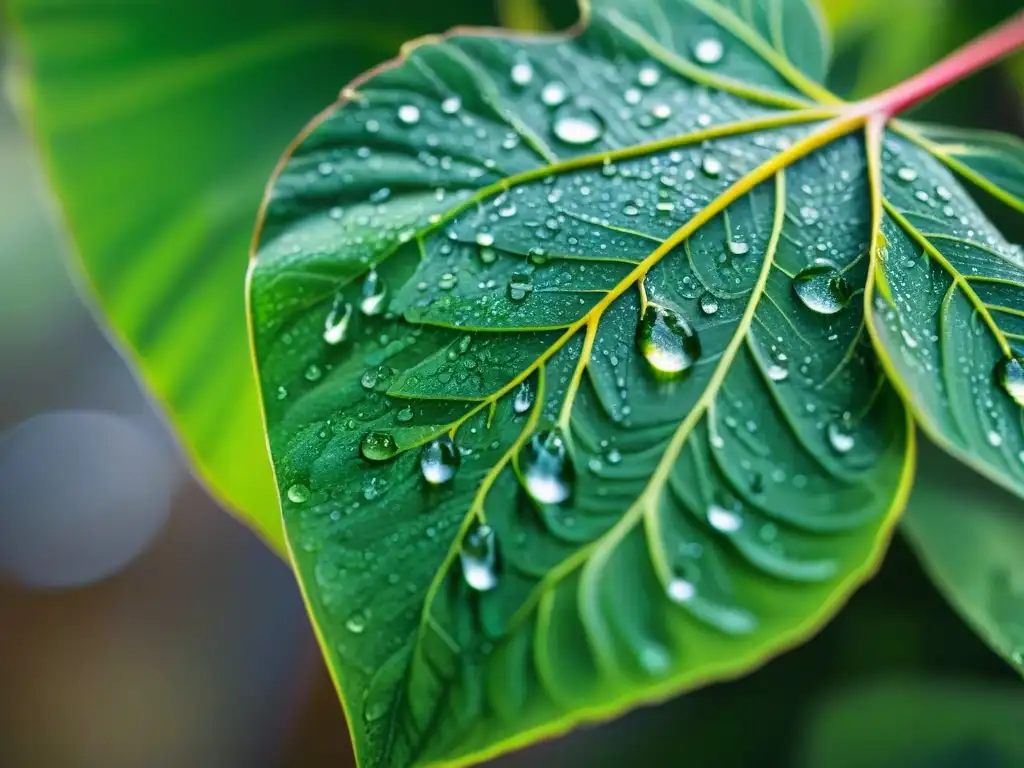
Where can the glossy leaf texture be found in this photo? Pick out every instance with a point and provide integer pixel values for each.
(969, 537)
(565, 373)
(947, 296)
(158, 124)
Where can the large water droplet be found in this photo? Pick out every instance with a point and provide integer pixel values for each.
(298, 494)
(1010, 375)
(409, 114)
(375, 291)
(553, 94)
(520, 285)
(906, 174)
(336, 323)
(522, 73)
(451, 105)
(479, 558)
(708, 304)
(356, 623)
(724, 520)
(440, 460)
(378, 446)
(578, 126)
(822, 287)
(708, 50)
(840, 435)
(711, 166)
(648, 76)
(681, 591)
(667, 342)
(523, 398)
(547, 470)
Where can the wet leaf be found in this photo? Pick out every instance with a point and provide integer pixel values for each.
(158, 124)
(623, 274)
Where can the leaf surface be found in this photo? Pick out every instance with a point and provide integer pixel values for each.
(159, 123)
(566, 379)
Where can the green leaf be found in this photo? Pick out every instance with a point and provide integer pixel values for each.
(159, 123)
(969, 536)
(567, 410)
(947, 296)
(917, 723)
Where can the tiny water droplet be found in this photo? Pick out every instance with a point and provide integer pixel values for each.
(994, 438)
(553, 94)
(547, 470)
(711, 166)
(578, 126)
(479, 558)
(451, 105)
(522, 73)
(298, 494)
(648, 76)
(708, 50)
(681, 590)
(722, 519)
(373, 294)
(667, 342)
(1010, 375)
(708, 303)
(822, 287)
(520, 285)
(313, 372)
(336, 323)
(523, 398)
(356, 623)
(378, 446)
(440, 460)
(409, 114)
(840, 435)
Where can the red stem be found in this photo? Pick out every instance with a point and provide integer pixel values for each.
(981, 52)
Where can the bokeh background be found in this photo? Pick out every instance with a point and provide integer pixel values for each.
(140, 625)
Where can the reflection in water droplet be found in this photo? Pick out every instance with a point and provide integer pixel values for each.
(553, 94)
(523, 398)
(374, 293)
(709, 50)
(440, 460)
(409, 114)
(520, 285)
(547, 470)
(1010, 375)
(681, 590)
(378, 446)
(724, 520)
(522, 73)
(840, 435)
(708, 304)
(667, 342)
(822, 287)
(336, 324)
(479, 558)
(711, 166)
(298, 494)
(578, 126)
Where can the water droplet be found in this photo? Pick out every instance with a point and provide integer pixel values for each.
(546, 467)
(356, 623)
(724, 520)
(648, 76)
(738, 247)
(520, 285)
(313, 372)
(578, 126)
(440, 460)
(553, 94)
(994, 438)
(943, 193)
(451, 105)
(409, 114)
(708, 304)
(840, 435)
(336, 324)
(374, 292)
(667, 342)
(907, 174)
(378, 446)
(777, 371)
(404, 415)
(479, 558)
(711, 166)
(708, 50)
(822, 287)
(523, 398)
(1010, 375)
(369, 378)
(681, 590)
(298, 494)
(522, 73)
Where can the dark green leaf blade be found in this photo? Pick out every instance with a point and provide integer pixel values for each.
(946, 312)
(969, 538)
(588, 266)
(159, 123)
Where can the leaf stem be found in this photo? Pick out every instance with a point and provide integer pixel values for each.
(978, 54)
